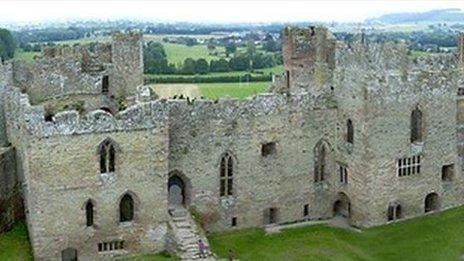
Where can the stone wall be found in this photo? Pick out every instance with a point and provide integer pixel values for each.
(64, 71)
(127, 58)
(60, 164)
(11, 205)
(203, 132)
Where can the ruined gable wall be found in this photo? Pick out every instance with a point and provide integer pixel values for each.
(201, 133)
(55, 77)
(61, 172)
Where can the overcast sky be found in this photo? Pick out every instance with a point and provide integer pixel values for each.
(213, 11)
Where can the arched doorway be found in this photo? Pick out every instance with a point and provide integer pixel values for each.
(431, 202)
(342, 206)
(69, 254)
(178, 190)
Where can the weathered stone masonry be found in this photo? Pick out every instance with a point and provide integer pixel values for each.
(356, 130)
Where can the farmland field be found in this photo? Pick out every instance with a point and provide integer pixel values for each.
(211, 91)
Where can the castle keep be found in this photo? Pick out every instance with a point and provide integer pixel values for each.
(359, 130)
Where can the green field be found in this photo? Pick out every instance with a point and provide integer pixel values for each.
(435, 237)
(234, 90)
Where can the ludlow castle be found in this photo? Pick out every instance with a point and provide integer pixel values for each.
(360, 130)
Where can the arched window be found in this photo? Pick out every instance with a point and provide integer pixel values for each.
(107, 156)
(226, 175)
(394, 212)
(349, 131)
(320, 161)
(89, 213)
(126, 208)
(416, 125)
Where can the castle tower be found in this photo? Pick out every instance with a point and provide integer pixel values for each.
(127, 58)
(309, 57)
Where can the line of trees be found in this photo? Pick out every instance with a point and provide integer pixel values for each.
(7, 45)
(156, 61)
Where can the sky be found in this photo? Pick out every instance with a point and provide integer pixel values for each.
(23, 11)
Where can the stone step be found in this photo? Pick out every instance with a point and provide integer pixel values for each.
(183, 224)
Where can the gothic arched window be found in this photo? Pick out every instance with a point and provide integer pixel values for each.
(226, 175)
(107, 156)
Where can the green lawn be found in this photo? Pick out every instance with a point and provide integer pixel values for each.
(435, 237)
(233, 90)
(14, 245)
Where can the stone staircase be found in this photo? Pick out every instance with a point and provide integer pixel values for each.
(187, 235)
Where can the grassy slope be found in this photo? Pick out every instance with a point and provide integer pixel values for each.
(234, 90)
(437, 237)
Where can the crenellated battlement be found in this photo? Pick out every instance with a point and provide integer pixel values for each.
(31, 119)
(152, 114)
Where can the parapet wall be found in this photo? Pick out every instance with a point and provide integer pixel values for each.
(28, 119)
(22, 116)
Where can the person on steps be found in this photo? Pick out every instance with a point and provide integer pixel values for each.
(202, 248)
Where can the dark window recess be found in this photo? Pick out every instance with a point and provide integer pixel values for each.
(105, 84)
(126, 209)
(89, 213)
(48, 116)
(416, 125)
(349, 131)
(234, 221)
(268, 149)
(447, 172)
(460, 91)
(306, 210)
(287, 78)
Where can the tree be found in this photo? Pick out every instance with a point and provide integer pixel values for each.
(154, 58)
(189, 66)
(221, 65)
(201, 66)
(7, 45)
(211, 48)
(239, 63)
(230, 48)
(250, 49)
(271, 46)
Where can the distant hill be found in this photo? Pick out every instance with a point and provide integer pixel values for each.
(443, 15)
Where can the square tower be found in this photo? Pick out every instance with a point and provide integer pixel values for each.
(309, 57)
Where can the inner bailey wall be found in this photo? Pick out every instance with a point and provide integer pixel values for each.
(203, 132)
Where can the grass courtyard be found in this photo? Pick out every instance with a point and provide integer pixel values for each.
(434, 237)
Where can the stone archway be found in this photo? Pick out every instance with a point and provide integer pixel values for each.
(342, 206)
(69, 254)
(178, 190)
(432, 202)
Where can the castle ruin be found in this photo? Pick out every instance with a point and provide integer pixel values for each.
(359, 130)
